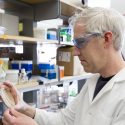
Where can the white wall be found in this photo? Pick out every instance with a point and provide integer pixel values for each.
(118, 5)
(99, 3)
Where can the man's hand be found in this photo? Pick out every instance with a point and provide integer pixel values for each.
(20, 106)
(9, 86)
(13, 117)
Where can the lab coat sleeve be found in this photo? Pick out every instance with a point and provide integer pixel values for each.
(119, 118)
(63, 117)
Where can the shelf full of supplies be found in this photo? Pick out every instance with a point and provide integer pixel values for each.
(6, 38)
(21, 38)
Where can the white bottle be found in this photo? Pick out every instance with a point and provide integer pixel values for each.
(23, 76)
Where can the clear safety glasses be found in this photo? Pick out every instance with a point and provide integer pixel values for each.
(81, 42)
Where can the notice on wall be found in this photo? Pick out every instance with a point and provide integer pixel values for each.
(64, 56)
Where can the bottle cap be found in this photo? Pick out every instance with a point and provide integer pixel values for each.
(23, 71)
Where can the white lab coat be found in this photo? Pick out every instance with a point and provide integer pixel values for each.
(108, 107)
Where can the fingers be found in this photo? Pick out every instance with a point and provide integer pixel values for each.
(11, 113)
(16, 95)
(19, 103)
(6, 85)
(15, 113)
(13, 117)
(7, 117)
(4, 122)
(10, 117)
(9, 87)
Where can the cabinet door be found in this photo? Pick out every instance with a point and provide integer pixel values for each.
(10, 22)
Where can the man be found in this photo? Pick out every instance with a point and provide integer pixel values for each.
(98, 40)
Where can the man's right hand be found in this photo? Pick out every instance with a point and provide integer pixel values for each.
(13, 117)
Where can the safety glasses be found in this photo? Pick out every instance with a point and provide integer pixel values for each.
(81, 42)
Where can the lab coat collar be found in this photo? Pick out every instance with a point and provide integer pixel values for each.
(120, 76)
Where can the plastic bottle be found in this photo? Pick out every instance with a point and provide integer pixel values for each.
(2, 72)
(23, 76)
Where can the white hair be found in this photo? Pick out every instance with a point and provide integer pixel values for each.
(101, 20)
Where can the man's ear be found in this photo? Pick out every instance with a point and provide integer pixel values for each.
(108, 39)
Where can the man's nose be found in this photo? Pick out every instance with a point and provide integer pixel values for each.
(76, 51)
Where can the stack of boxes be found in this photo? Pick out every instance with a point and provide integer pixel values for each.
(72, 64)
(47, 70)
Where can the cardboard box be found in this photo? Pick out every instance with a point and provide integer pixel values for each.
(72, 65)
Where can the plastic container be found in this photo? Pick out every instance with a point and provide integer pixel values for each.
(61, 69)
(25, 64)
(47, 70)
(2, 30)
(51, 35)
(45, 66)
(23, 76)
(48, 73)
(12, 76)
(2, 72)
(5, 63)
(40, 33)
(28, 66)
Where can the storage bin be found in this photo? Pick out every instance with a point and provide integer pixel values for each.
(47, 70)
(46, 66)
(48, 73)
(12, 76)
(26, 64)
(51, 35)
